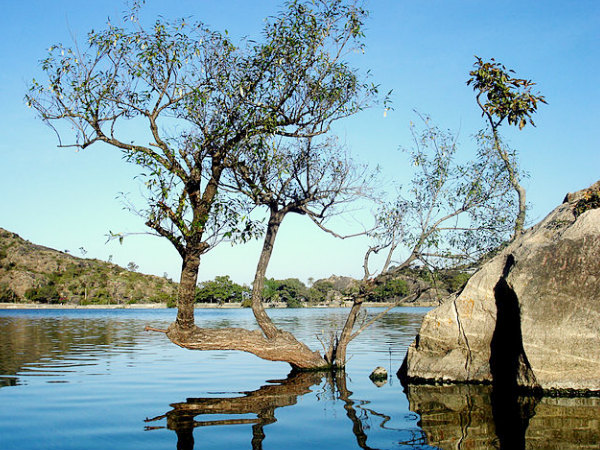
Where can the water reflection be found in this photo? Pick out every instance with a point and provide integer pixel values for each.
(191, 414)
(43, 345)
(471, 417)
(194, 413)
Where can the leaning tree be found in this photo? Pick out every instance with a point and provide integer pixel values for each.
(202, 98)
(501, 98)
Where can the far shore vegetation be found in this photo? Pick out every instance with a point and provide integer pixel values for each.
(52, 277)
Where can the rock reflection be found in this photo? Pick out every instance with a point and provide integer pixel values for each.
(462, 417)
(262, 403)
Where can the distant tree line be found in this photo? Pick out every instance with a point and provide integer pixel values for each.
(295, 294)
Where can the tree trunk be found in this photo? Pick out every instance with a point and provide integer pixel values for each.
(520, 221)
(187, 288)
(282, 347)
(338, 358)
(514, 182)
(264, 321)
(270, 343)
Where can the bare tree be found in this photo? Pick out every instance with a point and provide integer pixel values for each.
(452, 213)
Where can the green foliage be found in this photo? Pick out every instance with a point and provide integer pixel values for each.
(293, 80)
(7, 295)
(511, 99)
(221, 290)
(292, 291)
(132, 267)
(506, 97)
(458, 281)
(247, 303)
(293, 302)
(318, 291)
(43, 294)
(392, 289)
(162, 297)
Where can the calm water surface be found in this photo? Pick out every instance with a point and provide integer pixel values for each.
(74, 379)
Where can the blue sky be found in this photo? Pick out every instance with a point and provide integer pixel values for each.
(423, 50)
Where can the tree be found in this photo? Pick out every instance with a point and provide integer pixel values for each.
(308, 177)
(510, 99)
(392, 288)
(205, 101)
(292, 291)
(451, 214)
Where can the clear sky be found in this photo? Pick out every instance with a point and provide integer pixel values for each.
(423, 50)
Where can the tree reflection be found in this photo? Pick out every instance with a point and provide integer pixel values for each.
(184, 417)
(262, 402)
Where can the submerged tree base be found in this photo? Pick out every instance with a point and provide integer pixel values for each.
(283, 346)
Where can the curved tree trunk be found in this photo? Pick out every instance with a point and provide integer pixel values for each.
(264, 321)
(514, 182)
(282, 347)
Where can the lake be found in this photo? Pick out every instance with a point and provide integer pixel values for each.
(73, 379)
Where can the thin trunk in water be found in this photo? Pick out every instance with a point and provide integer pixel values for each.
(263, 320)
(341, 347)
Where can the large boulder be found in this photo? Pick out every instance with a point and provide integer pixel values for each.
(531, 314)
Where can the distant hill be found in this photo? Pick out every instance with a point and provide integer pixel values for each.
(34, 273)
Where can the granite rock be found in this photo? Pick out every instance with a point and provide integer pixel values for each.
(530, 315)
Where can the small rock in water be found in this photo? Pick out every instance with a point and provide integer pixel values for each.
(379, 376)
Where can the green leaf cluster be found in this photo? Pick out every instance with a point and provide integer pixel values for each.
(506, 97)
(43, 294)
(292, 291)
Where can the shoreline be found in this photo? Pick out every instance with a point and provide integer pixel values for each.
(13, 306)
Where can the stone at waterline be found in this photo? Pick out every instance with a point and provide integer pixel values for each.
(379, 376)
(530, 315)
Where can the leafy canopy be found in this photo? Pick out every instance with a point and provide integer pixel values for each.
(202, 97)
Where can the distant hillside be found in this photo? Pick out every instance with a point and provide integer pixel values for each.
(33, 273)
